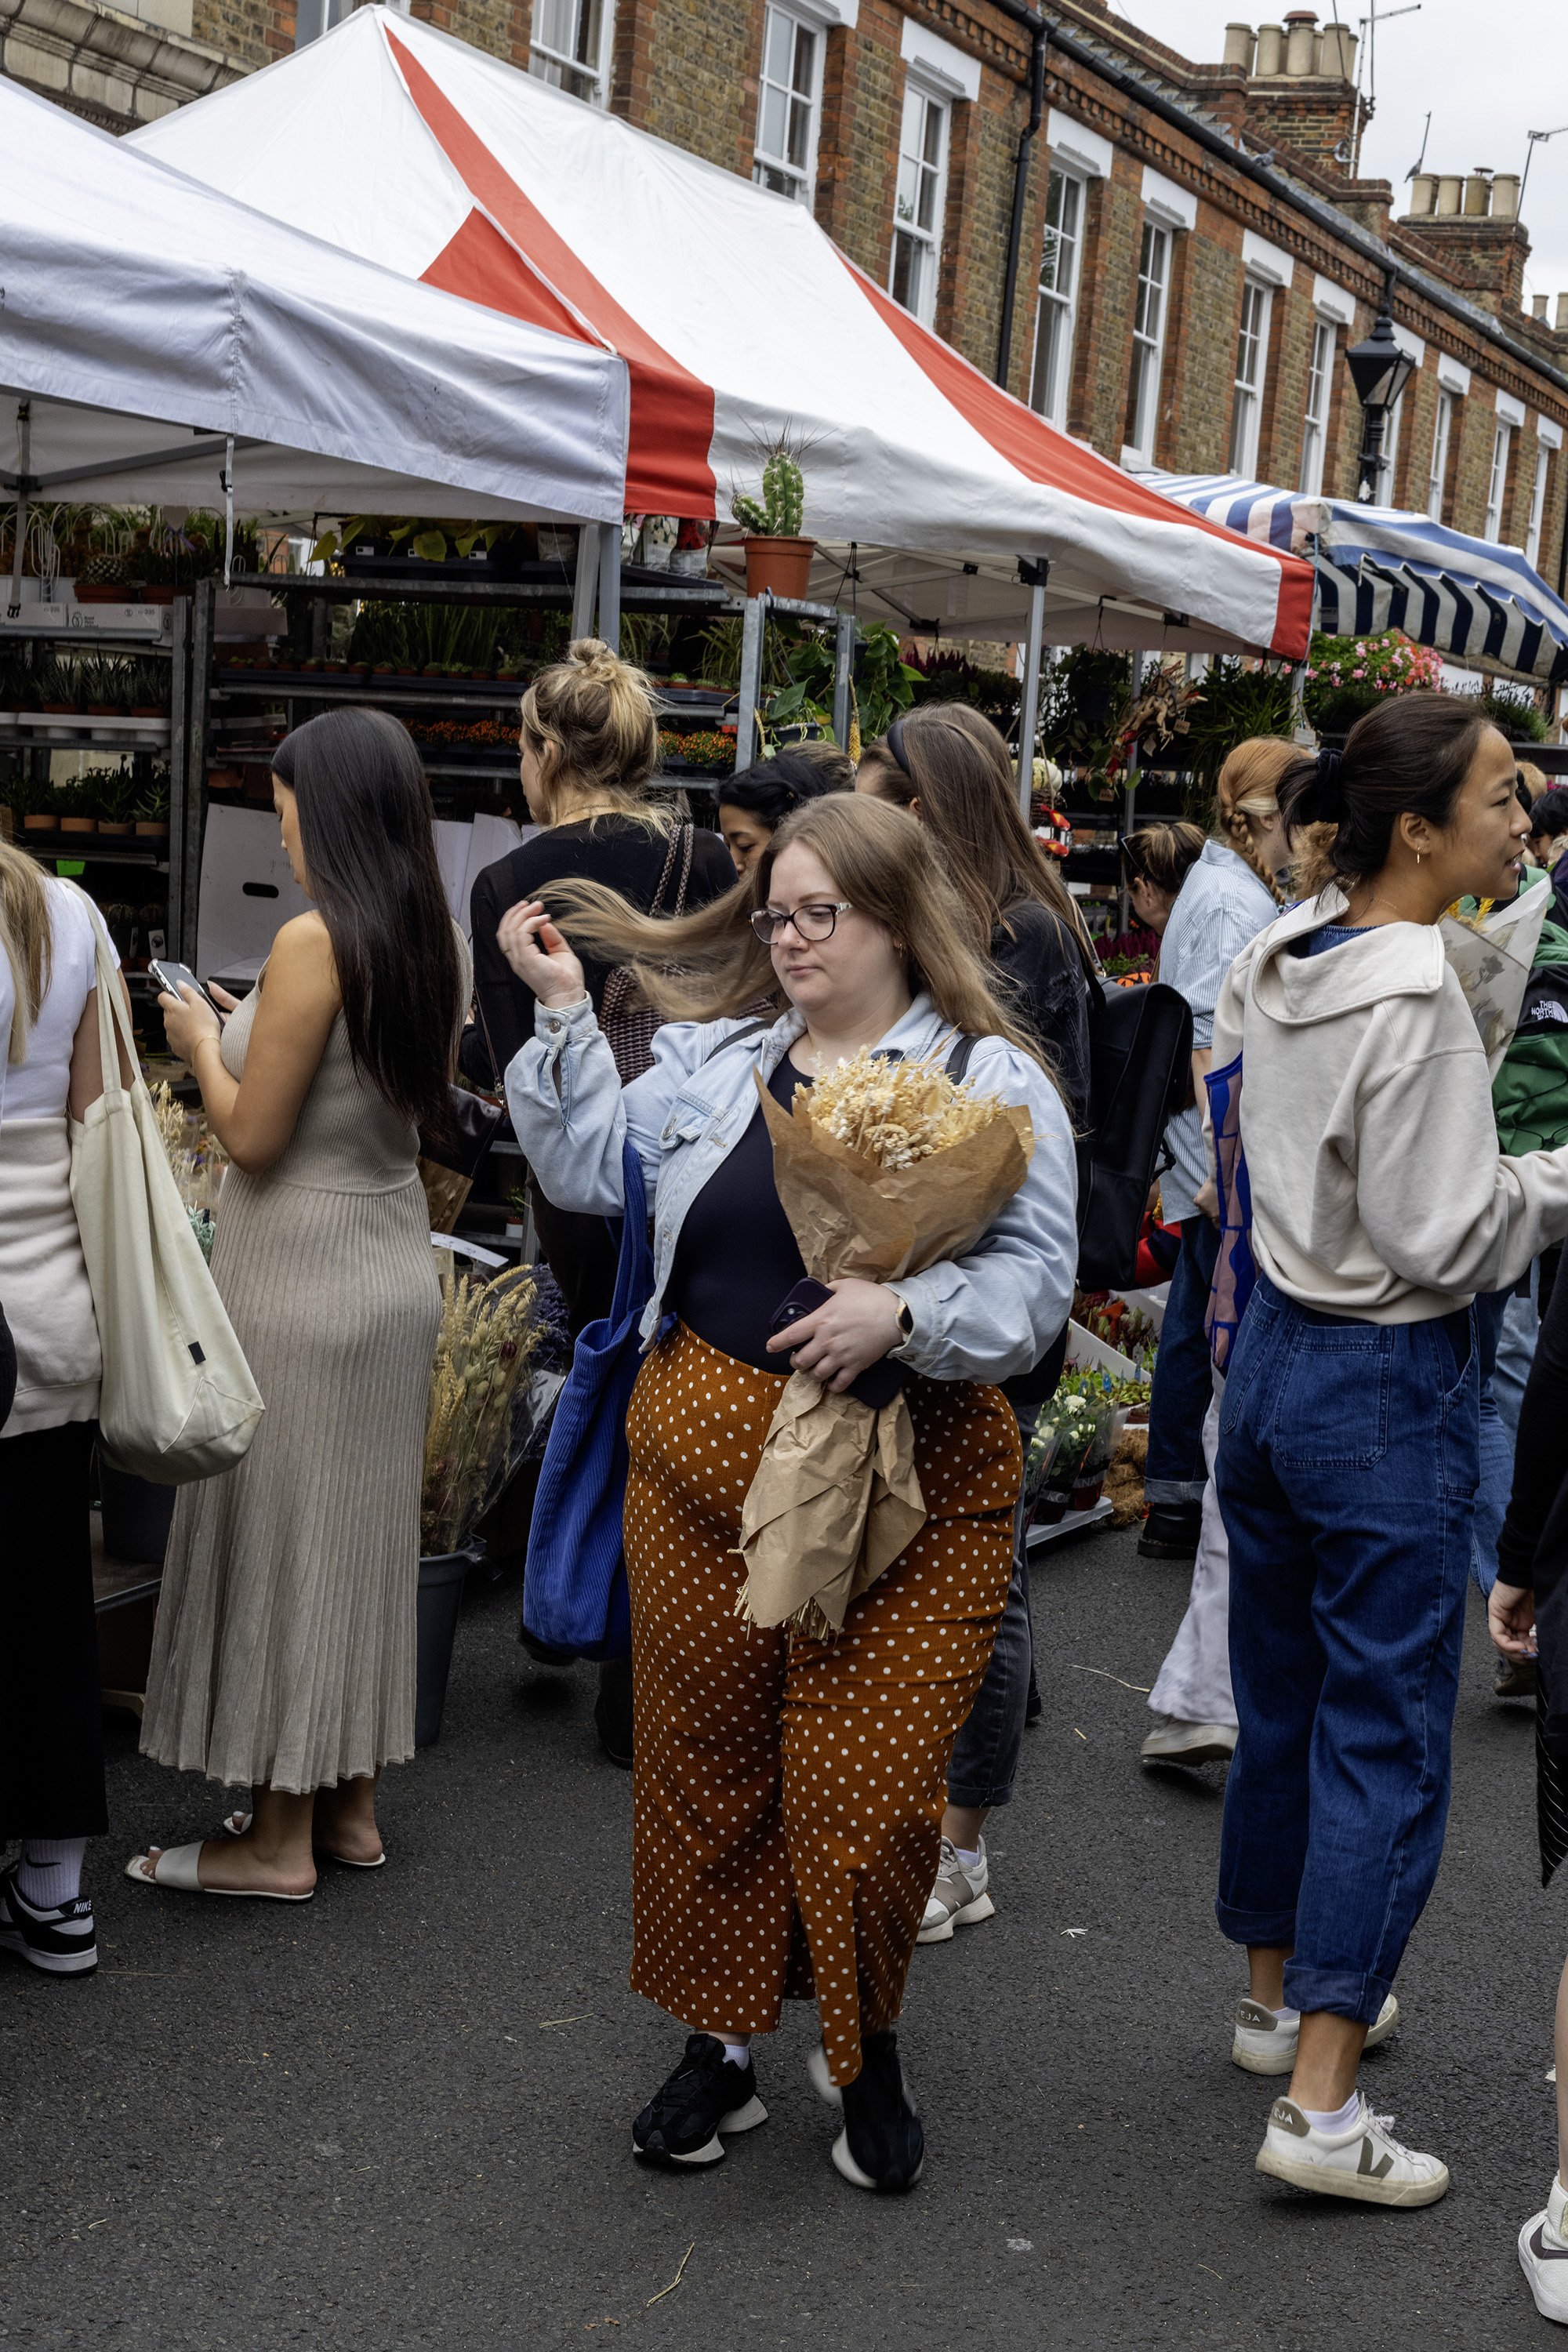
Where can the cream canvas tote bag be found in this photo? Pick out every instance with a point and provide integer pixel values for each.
(178, 1400)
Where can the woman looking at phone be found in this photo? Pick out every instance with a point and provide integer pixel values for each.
(284, 1654)
(782, 1783)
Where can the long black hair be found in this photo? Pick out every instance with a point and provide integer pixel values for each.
(1411, 753)
(771, 790)
(366, 834)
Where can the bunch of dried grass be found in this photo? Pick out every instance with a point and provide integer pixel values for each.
(196, 1156)
(489, 1332)
(897, 1112)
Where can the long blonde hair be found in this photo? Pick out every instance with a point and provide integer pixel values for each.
(710, 964)
(593, 723)
(27, 940)
(1248, 786)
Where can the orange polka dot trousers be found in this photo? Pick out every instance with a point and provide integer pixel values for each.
(787, 1793)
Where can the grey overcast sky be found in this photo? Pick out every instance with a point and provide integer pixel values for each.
(1490, 73)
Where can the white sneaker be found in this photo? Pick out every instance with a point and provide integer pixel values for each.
(1263, 2042)
(1172, 1741)
(959, 1898)
(1542, 2251)
(1365, 2162)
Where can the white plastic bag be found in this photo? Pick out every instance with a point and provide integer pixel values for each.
(178, 1400)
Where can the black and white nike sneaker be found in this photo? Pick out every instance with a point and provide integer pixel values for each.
(707, 2095)
(1543, 2256)
(882, 2146)
(61, 1941)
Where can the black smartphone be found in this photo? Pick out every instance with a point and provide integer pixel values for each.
(878, 1384)
(169, 978)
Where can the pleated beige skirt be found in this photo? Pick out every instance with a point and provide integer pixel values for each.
(285, 1648)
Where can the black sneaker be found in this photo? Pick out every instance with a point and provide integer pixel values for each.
(62, 1942)
(1170, 1531)
(706, 2094)
(882, 2145)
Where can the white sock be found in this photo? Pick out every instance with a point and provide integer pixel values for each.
(737, 2052)
(1342, 2118)
(1284, 2014)
(50, 1872)
(966, 1860)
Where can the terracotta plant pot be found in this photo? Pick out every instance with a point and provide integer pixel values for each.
(148, 710)
(112, 824)
(37, 824)
(781, 566)
(155, 831)
(78, 824)
(109, 591)
(159, 596)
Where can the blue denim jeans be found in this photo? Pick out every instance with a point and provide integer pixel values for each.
(1516, 1351)
(1496, 1441)
(1184, 1379)
(1347, 1472)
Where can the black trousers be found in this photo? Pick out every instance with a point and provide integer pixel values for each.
(51, 1725)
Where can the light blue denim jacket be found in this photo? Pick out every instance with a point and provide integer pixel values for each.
(983, 1316)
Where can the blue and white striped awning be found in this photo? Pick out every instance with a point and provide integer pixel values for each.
(1382, 568)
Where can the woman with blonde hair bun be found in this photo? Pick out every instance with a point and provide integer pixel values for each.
(787, 1790)
(589, 752)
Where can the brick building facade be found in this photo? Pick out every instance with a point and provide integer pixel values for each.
(1194, 252)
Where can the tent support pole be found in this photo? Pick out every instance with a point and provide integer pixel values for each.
(1035, 576)
(843, 667)
(24, 466)
(610, 585)
(186, 845)
(585, 584)
(751, 628)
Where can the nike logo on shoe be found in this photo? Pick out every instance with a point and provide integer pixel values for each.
(1542, 2251)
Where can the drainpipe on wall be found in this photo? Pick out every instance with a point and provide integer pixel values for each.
(1036, 29)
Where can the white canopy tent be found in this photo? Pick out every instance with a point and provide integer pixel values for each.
(741, 323)
(160, 341)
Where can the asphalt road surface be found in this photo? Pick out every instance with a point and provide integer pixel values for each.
(400, 2115)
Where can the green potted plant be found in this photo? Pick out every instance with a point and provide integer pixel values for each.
(778, 559)
(107, 580)
(29, 798)
(152, 808)
(73, 806)
(1346, 675)
(115, 793)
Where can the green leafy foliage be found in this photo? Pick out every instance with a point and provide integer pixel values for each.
(949, 678)
(1233, 703)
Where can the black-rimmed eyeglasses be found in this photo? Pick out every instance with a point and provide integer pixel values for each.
(814, 923)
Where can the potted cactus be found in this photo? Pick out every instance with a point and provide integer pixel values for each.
(778, 559)
(152, 808)
(107, 580)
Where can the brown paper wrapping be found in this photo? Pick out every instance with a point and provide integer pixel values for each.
(835, 1497)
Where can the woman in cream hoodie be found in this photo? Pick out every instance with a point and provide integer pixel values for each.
(1348, 1451)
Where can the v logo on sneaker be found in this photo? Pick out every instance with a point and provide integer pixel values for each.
(1376, 2171)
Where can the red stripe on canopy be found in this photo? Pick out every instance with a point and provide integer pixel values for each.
(482, 267)
(671, 435)
(1043, 454)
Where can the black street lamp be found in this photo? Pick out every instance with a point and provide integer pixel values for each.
(1380, 372)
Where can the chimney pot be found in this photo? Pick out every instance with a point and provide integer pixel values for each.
(1505, 195)
(1270, 50)
(1451, 191)
(1538, 307)
(1338, 52)
(1240, 44)
(1477, 195)
(1301, 41)
(1562, 320)
(1422, 195)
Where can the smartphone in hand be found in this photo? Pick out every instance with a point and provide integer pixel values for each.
(170, 977)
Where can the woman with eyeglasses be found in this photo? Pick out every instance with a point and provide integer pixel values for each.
(787, 1791)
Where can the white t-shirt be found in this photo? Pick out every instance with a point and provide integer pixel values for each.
(7, 1008)
(38, 1088)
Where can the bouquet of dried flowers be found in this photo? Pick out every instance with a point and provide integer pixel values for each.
(883, 1168)
(483, 1412)
(196, 1156)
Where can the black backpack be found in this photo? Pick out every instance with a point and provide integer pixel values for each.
(1140, 1072)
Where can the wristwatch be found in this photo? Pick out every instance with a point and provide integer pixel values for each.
(906, 1321)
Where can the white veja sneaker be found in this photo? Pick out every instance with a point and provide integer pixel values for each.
(1543, 2256)
(1365, 2162)
(1172, 1741)
(959, 1898)
(1266, 2044)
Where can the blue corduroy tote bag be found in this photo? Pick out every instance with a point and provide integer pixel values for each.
(574, 1581)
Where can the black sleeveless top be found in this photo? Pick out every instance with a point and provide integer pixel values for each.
(737, 1260)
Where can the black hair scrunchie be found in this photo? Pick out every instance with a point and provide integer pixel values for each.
(1329, 795)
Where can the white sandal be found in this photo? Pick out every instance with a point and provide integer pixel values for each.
(235, 1825)
(175, 1867)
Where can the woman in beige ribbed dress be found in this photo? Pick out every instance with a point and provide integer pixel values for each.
(284, 1657)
